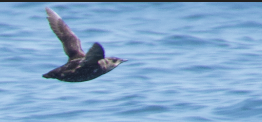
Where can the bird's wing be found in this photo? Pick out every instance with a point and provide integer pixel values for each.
(71, 43)
(95, 53)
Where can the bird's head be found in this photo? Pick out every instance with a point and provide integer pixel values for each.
(110, 63)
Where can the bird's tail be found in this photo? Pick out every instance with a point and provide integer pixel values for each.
(46, 75)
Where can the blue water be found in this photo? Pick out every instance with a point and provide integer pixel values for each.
(192, 62)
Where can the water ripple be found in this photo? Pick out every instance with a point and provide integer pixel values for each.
(244, 109)
(145, 110)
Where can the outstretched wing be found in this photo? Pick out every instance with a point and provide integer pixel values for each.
(71, 43)
(95, 53)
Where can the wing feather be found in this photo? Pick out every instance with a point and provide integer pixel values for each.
(95, 53)
(71, 44)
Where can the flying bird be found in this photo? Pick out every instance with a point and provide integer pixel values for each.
(80, 66)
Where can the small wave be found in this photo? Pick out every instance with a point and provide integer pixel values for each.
(243, 109)
(145, 109)
(62, 114)
(95, 30)
(184, 40)
(247, 24)
(188, 106)
(197, 119)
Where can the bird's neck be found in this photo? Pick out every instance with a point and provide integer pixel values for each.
(106, 64)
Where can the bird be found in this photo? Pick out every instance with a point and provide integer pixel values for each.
(80, 66)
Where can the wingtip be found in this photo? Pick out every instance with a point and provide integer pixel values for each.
(97, 44)
(47, 9)
(52, 13)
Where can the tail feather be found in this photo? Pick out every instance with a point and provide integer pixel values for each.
(46, 76)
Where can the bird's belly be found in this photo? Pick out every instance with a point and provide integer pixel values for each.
(81, 74)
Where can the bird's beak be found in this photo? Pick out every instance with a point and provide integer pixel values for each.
(124, 60)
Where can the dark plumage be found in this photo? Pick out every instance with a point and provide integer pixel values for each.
(80, 67)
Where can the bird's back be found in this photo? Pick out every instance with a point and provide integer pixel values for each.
(73, 71)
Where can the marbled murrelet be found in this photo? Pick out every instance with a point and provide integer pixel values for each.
(80, 67)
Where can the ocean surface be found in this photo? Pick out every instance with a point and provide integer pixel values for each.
(188, 62)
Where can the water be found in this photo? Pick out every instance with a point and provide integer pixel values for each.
(187, 62)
